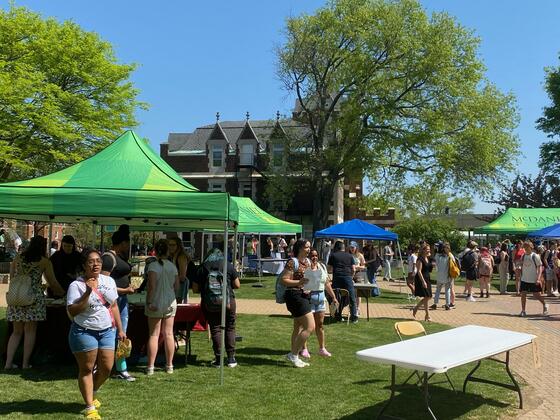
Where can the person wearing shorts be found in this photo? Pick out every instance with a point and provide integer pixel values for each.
(318, 282)
(298, 300)
(92, 304)
(531, 278)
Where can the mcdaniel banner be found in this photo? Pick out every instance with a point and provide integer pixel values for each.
(522, 221)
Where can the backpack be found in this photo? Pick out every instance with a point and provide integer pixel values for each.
(454, 270)
(20, 291)
(280, 287)
(212, 296)
(468, 261)
(485, 268)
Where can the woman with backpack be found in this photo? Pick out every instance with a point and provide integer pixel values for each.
(208, 281)
(161, 305)
(298, 301)
(317, 285)
(485, 270)
(32, 263)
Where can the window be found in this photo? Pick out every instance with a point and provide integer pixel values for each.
(277, 154)
(216, 186)
(217, 155)
(246, 189)
(246, 155)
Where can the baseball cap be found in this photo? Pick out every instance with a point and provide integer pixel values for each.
(354, 244)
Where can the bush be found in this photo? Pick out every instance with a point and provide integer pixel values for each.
(431, 230)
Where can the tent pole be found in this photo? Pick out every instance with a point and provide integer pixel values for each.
(202, 248)
(234, 246)
(50, 236)
(224, 301)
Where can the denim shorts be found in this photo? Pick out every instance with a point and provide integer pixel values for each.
(82, 340)
(318, 302)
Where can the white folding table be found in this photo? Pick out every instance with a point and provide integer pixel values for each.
(439, 352)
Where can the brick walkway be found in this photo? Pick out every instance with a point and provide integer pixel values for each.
(497, 311)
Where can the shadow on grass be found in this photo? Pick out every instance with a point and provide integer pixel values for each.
(44, 374)
(409, 404)
(258, 356)
(36, 406)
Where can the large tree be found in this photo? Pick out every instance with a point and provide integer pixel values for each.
(63, 95)
(385, 89)
(526, 191)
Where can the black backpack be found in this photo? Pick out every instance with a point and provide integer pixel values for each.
(468, 262)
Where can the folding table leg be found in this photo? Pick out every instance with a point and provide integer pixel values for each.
(392, 392)
(427, 396)
(514, 382)
(469, 376)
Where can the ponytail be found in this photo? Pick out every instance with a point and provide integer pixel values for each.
(162, 247)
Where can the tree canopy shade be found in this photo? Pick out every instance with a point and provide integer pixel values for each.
(63, 95)
(382, 85)
(515, 221)
(127, 182)
(357, 229)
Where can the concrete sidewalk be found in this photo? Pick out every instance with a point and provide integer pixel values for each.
(542, 400)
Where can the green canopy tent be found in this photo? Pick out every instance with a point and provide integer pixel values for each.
(127, 182)
(519, 221)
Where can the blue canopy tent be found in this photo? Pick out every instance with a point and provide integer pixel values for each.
(550, 232)
(357, 229)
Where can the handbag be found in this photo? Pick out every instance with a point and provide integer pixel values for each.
(124, 347)
(20, 292)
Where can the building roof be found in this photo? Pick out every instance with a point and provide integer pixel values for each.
(263, 130)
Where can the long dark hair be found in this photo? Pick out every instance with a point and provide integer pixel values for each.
(36, 249)
(180, 249)
(299, 245)
(162, 248)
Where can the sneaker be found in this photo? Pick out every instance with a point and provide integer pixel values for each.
(305, 353)
(296, 361)
(216, 362)
(150, 370)
(92, 414)
(433, 307)
(324, 352)
(452, 306)
(125, 376)
(231, 362)
(354, 321)
(487, 295)
(471, 298)
(169, 369)
(96, 403)
(522, 314)
(447, 307)
(545, 309)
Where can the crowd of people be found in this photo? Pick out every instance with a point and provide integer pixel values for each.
(96, 287)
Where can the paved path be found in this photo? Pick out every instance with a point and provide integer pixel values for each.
(497, 311)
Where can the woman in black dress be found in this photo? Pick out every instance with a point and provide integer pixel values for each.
(422, 286)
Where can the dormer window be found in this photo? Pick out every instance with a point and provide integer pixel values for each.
(217, 156)
(277, 154)
(247, 153)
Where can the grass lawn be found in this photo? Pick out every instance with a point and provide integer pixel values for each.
(247, 291)
(264, 385)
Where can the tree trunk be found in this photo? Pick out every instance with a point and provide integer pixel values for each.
(322, 197)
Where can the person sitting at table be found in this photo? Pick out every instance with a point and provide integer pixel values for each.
(33, 263)
(318, 282)
(209, 277)
(67, 262)
(161, 305)
(115, 264)
(92, 305)
(183, 263)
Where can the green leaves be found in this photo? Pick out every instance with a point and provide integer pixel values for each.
(63, 96)
(387, 89)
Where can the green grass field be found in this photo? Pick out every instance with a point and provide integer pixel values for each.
(264, 385)
(248, 291)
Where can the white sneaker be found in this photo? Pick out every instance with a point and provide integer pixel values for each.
(471, 298)
(296, 361)
(522, 314)
(545, 309)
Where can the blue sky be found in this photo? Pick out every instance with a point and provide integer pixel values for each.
(197, 58)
